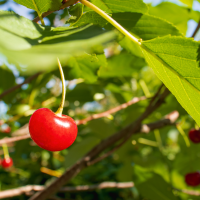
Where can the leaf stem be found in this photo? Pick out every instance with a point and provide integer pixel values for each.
(182, 132)
(159, 140)
(38, 12)
(60, 109)
(5, 151)
(111, 20)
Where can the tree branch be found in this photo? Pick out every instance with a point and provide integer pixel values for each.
(65, 5)
(90, 156)
(113, 110)
(190, 192)
(82, 188)
(19, 85)
(196, 30)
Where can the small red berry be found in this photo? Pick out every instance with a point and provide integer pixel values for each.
(52, 132)
(6, 130)
(194, 135)
(193, 179)
(7, 162)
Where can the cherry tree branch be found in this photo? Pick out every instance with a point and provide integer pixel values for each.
(126, 132)
(19, 85)
(23, 132)
(190, 192)
(113, 110)
(27, 190)
(196, 30)
(82, 188)
(65, 5)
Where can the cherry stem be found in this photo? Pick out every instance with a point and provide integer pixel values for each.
(5, 151)
(60, 109)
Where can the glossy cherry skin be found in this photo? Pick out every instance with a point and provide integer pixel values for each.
(52, 132)
(193, 179)
(7, 162)
(194, 135)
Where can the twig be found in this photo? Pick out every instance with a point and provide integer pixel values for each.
(19, 85)
(196, 30)
(190, 192)
(82, 188)
(65, 5)
(99, 148)
(23, 132)
(14, 139)
(113, 110)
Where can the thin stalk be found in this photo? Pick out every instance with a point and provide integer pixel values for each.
(145, 88)
(60, 109)
(159, 140)
(182, 132)
(111, 20)
(5, 151)
(38, 12)
(147, 142)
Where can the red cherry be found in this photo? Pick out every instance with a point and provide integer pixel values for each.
(6, 130)
(193, 179)
(50, 131)
(194, 135)
(7, 162)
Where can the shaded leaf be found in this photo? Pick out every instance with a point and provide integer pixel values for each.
(32, 48)
(152, 186)
(113, 6)
(42, 6)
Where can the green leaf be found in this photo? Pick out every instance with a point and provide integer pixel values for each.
(145, 26)
(113, 6)
(75, 12)
(32, 48)
(175, 14)
(152, 186)
(78, 150)
(85, 66)
(7, 79)
(174, 60)
(41, 6)
(124, 64)
(141, 25)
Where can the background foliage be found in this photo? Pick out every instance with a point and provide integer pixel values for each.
(103, 69)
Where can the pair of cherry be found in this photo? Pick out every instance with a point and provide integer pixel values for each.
(193, 179)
